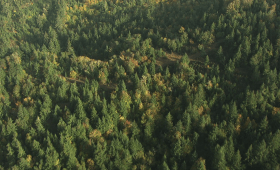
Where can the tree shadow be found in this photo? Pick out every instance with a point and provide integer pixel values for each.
(103, 33)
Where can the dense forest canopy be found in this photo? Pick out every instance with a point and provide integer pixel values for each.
(140, 84)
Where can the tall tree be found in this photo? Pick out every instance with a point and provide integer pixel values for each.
(219, 160)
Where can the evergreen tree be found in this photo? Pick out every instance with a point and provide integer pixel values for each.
(152, 68)
(122, 86)
(165, 166)
(219, 160)
(169, 123)
(260, 153)
(167, 73)
(207, 60)
(263, 125)
(229, 154)
(100, 155)
(136, 82)
(183, 166)
(249, 155)
(94, 117)
(185, 59)
(79, 109)
(177, 150)
(233, 113)
(187, 122)
(194, 156)
(236, 162)
(220, 56)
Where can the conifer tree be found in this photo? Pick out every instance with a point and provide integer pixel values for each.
(167, 73)
(183, 166)
(233, 112)
(187, 122)
(10, 159)
(177, 150)
(260, 153)
(194, 156)
(144, 70)
(94, 117)
(175, 165)
(136, 82)
(236, 161)
(79, 109)
(201, 166)
(249, 155)
(185, 59)
(206, 60)
(262, 128)
(100, 155)
(165, 166)
(229, 153)
(122, 86)
(220, 56)
(169, 123)
(152, 68)
(219, 160)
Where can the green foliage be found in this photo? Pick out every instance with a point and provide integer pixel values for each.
(117, 84)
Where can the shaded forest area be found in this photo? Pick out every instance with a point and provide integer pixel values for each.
(140, 84)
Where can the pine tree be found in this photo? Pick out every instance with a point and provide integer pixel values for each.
(201, 166)
(136, 82)
(104, 108)
(2, 77)
(135, 130)
(202, 123)
(230, 69)
(187, 122)
(219, 161)
(148, 131)
(79, 109)
(167, 73)
(165, 166)
(246, 49)
(152, 68)
(229, 153)
(206, 60)
(185, 59)
(220, 56)
(179, 126)
(144, 70)
(177, 150)
(183, 166)
(194, 156)
(40, 127)
(233, 113)
(237, 56)
(260, 153)
(122, 86)
(263, 125)
(10, 159)
(94, 117)
(195, 138)
(160, 69)
(249, 155)
(100, 155)
(236, 161)
(169, 123)
(175, 166)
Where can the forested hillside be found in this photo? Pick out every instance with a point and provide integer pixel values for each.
(140, 84)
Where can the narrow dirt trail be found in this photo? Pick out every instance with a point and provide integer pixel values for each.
(170, 59)
(173, 57)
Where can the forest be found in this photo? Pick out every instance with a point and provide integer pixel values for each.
(140, 84)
